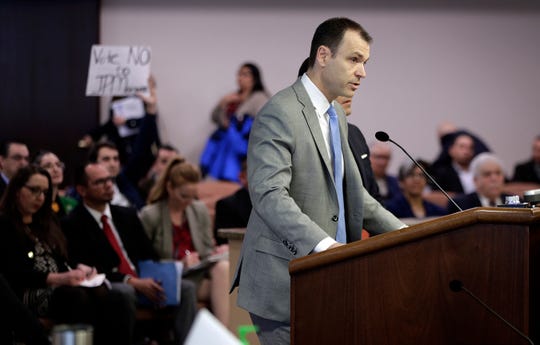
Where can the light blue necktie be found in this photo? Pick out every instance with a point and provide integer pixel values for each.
(335, 138)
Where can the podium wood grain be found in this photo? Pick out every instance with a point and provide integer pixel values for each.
(394, 288)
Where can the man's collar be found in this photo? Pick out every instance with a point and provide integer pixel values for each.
(97, 214)
(319, 100)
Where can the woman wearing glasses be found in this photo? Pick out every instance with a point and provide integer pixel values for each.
(61, 204)
(180, 228)
(411, 203)
(33, 260)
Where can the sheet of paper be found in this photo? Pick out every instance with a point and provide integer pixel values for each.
(97, 280)
(207, 330)
(129, 108)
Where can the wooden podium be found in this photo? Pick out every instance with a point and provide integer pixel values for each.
(394, 288)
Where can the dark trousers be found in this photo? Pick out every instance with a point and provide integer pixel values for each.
(272, 332)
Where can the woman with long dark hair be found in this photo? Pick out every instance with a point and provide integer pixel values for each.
(247, 100)
(234, 113)
(33, 259)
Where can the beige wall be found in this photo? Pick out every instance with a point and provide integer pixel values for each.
(477, 68)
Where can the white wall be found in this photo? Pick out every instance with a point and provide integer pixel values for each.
(476, 68)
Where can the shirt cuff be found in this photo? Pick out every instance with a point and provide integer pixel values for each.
(324, 245)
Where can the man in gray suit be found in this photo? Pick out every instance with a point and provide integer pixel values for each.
(291, 178)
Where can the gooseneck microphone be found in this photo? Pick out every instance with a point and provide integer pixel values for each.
(384, 137)
(457, 286)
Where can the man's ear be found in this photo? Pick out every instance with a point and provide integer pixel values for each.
(323, 55)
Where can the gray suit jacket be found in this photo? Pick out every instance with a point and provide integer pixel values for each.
(294, 200)
(157, 224)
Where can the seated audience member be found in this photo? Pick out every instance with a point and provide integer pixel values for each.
(125, 193)
(233, 211)
(488, 175)
(361, 153)
(123, 131)
(455, 175)
(165, 153)
(13, 156)
(180, 228)
(61, 204)
(233, 115)
(112, 239)
(411, 204)
(16, 320)
(529, 171)
(447, 133)
(388, 185)
(33, 259)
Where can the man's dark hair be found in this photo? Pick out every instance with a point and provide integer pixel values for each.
(94, 150)
(5, 145)
(81, 178)
(303, 67)
(330, 33)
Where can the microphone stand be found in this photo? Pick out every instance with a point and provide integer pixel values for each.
(426, 173)
(456, 286)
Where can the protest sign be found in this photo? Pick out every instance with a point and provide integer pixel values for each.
(118, 70)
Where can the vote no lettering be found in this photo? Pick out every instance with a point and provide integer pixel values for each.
(118, 70)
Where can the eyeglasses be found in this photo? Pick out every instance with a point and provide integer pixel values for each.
(36, 191)
(102, 181)
(59, 165)
(19, 158)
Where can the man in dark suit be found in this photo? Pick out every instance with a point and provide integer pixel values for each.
(529, 171)
(387, 185)
(13, 156)
(90, 241)
(455, 175)
(488, 175)
(233, 211)
(360, 151)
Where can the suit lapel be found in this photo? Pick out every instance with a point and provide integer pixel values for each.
(166, 225)
(194, 231)
(313, 123)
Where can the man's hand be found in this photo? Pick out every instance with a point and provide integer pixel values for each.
(335, 245)
(149, 288)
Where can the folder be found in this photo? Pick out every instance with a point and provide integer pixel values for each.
(168, 274)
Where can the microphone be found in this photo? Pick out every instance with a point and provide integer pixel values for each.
(457, 285)
(383, 136)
